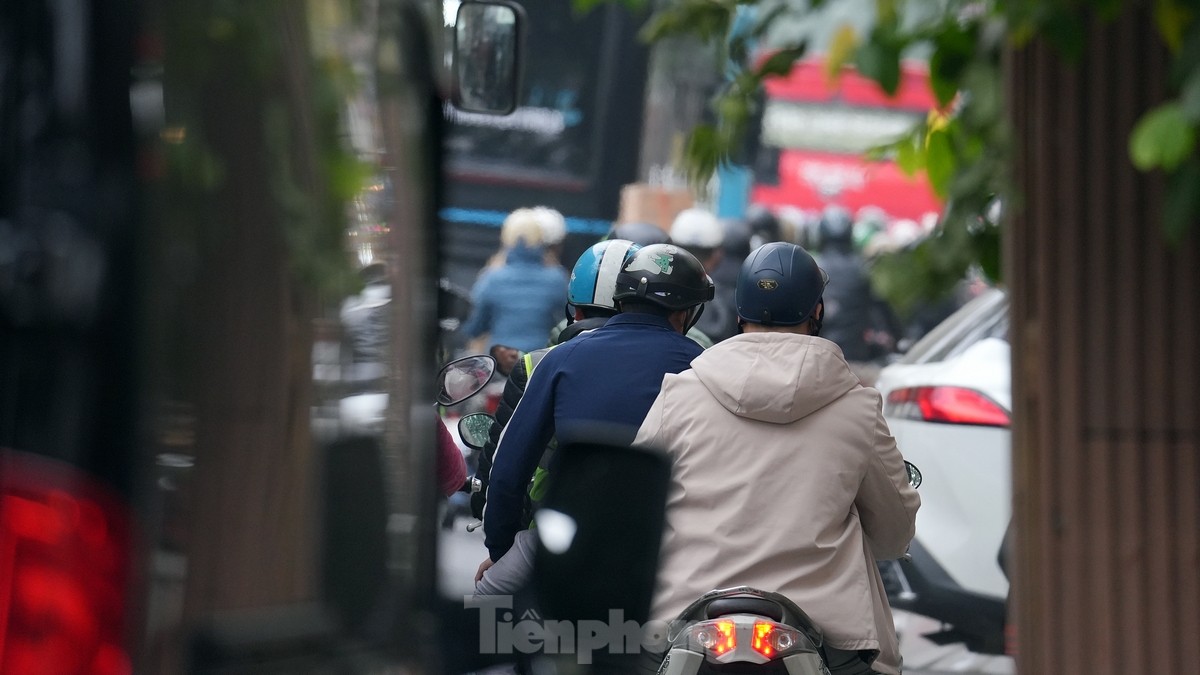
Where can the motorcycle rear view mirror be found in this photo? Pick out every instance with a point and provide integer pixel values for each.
(487, 51)
(462, 378)
(473, 429)
(914, 474)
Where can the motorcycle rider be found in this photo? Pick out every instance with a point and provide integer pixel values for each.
(517, 303)
(598, 386)
(817, 491)
(590, 303)
(859, 322)
(698, 230)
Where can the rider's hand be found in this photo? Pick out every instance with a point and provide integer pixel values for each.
(478, 500)
(506, 358)
(483, 567)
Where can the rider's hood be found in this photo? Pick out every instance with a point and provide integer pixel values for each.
(775, 377)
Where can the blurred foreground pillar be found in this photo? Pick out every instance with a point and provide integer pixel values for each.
(1106, 370)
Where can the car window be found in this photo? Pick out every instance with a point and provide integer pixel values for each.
(983, 317)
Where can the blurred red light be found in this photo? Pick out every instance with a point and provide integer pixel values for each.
(948, 405)
(64, 558)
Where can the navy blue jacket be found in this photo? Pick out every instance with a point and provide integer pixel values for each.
(596, 388)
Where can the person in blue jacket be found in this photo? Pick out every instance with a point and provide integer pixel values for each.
(598, 387)
(519, 301)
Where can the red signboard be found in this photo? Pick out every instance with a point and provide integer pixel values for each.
(817, 131)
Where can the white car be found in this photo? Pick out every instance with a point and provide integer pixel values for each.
(948, 402)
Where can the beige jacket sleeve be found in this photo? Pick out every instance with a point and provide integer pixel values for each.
(887, 504)
(648, 435)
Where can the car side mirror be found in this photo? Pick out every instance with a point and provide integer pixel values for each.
(487, 56)
(599, 532)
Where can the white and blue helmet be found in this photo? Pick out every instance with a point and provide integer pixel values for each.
(594, 277)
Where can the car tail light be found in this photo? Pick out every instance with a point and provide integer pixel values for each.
(949, 405)
(64, 563)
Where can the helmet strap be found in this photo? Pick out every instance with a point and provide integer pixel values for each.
(694, 315)
(816, 321)
(567, 309)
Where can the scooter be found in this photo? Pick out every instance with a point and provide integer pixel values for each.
(747, 630)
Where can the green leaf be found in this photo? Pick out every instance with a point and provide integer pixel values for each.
(1182, 207)
(1189, 98)
(953, 51)
(706, 20)
(987, 245)
(885, 11)
(780, 63)
(1064, 29)
(1172, 18)
(840, 50)
(703, 153)
(880, 62)
(939, 161)
(1162, 138)
(909, 157)
(1187, 59)
(584, 6)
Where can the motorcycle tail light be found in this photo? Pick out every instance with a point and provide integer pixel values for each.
(64, 560)
(718, 637)
(772, 639)
(744, 638)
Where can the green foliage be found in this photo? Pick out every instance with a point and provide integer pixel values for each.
(310, 173)
(965, 150)
(1162, 138)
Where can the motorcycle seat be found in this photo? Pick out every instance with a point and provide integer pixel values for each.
(743, 605)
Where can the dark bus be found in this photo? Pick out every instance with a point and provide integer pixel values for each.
(571, 144)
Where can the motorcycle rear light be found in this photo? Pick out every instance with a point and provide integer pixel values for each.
(718, 637)
(946, 405)
(64, 560)
(745, 638)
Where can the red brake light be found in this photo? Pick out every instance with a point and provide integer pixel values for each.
(64, 559)
(950, 405)
(718, 637)
(762, 638)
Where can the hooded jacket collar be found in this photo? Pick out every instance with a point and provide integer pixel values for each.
(775, 377)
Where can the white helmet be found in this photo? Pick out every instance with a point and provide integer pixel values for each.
(554, 227)
(521, 226)
(905, 232)
(697, 228)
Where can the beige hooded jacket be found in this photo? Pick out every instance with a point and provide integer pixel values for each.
(785, 478)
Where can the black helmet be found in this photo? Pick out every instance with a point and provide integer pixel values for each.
(837, 225)
(642, 234)
(780, 285)
(664, 275)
